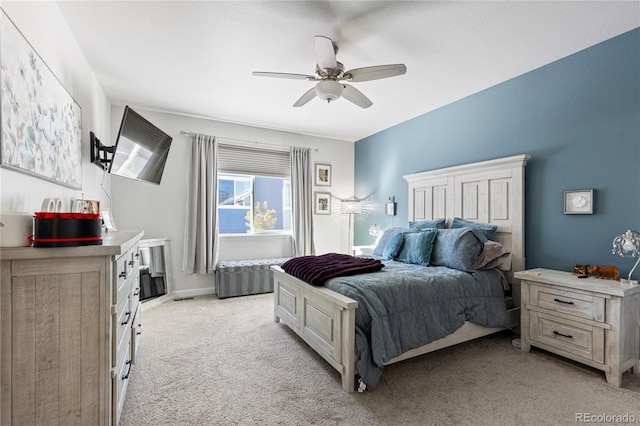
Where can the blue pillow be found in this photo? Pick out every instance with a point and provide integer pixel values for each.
(417, 247)
(486, 229)
(393, 247)
(458, 248)
(386, 237)
(435, 223)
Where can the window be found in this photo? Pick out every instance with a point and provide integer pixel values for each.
(254, 190)
(253, 204)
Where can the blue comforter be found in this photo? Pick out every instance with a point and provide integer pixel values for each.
(405, 306)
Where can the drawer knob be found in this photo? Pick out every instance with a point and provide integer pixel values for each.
(563, 301)
(568, 336)
(123, 274)
(131, 262)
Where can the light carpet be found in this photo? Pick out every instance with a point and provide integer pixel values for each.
(207, 361)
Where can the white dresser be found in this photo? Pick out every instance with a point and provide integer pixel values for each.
(589, 320)
(70, 324)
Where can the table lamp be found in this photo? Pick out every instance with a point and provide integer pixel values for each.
(627, 245)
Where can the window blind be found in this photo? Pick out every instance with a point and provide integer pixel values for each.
(253, 161)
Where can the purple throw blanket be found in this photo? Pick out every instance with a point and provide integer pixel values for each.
(315, 270)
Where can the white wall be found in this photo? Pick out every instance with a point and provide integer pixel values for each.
(44, 27)
(159, 210)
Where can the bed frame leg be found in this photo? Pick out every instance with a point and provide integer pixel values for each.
(348, 381)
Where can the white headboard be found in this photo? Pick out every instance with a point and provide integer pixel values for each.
(485, 192)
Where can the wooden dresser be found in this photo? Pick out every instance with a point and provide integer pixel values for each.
(70, 319)
(589, 320)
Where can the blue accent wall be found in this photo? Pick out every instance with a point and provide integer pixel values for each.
(578, 118)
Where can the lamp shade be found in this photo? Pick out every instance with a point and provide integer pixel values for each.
(627, 245)
(375, 230)
(350, 207)
(329, 90)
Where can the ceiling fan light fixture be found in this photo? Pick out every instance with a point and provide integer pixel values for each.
(329, 90)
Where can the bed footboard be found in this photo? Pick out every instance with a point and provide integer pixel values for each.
(324, 319)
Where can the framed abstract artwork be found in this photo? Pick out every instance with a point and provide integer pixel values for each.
(41, 122)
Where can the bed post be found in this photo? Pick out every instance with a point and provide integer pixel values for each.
(276, 298)
(348, 349)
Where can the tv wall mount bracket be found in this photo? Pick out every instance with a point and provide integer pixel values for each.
(101, 155)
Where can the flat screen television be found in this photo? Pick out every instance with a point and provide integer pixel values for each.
(141, 149)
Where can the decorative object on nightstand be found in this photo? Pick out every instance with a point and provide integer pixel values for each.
(628, 245)
(582, 271)
(578, 201)
(605, 272)
(375, 231)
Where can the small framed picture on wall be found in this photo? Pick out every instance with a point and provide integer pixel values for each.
(578, 201)
(322, 203)
(323, 175)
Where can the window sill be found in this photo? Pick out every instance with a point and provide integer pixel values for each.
(272, 235)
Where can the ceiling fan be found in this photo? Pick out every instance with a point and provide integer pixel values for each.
(330, 74)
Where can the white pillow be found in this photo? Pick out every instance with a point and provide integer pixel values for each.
(494, 255)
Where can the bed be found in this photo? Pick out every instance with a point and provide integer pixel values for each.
(489, 192)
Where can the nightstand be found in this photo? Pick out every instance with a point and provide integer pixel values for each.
(363, 250)
(589, 320)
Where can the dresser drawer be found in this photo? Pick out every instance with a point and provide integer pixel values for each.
(568, 302)
(124, 268)
(120, 270)
(135, 290)
(579, 339)
(120, 381)
(123, 353)
(122, 327)
(136, 332)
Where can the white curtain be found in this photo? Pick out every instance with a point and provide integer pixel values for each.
(301, 202)
(201, 225)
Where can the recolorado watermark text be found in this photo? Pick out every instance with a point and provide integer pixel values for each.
(605, 418)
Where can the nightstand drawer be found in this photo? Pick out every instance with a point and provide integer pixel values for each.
(574, 303)
(573, 337)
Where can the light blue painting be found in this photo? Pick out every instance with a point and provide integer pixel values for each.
(41, 122)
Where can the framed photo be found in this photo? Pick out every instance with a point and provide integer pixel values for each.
(323, 175)
(578, 201)
(322, 203)
(42, 123)
(107, 220)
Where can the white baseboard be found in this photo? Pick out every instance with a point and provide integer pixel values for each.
(177, 295)
(156, 301)
(188, 294)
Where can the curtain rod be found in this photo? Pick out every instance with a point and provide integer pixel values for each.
(182, 132)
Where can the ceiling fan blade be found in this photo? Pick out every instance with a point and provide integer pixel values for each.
(375, 72)
(284, 75)
(325, 53)
(352, 94)
(309, 94)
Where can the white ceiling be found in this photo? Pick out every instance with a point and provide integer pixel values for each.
(196, 58)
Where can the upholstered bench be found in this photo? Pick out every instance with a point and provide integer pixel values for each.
(244, 277)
